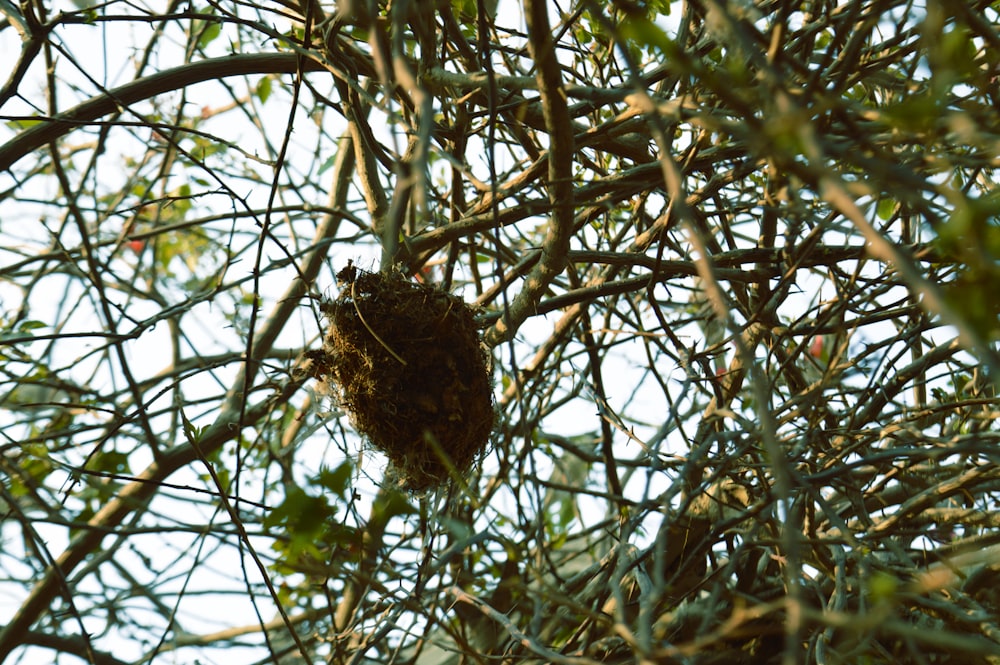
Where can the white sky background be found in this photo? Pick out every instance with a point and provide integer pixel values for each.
(107, 56)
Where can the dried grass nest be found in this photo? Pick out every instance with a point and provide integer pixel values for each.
(405, 361)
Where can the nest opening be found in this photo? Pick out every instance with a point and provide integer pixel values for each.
(405, 361)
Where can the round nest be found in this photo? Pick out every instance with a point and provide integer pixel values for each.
(406, 363)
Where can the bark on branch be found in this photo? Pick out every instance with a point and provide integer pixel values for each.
(116, 99)
(559, 127)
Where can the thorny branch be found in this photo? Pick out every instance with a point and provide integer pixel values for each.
(742, 263)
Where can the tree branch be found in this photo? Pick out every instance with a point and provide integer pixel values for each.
(50, 129)
(138, 493)
(560, 179)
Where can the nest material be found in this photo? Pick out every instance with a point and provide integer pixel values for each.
(406, 363)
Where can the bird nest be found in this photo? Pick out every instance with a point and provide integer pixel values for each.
(405, 361)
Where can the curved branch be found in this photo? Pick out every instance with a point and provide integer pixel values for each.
(71, 645)
(559, 127)
(50, 129)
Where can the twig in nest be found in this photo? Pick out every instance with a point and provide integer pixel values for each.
(378, 339)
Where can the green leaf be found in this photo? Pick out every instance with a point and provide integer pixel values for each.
(885, 209)
(660, 7)
(110, 462)
(264, 88)
(973, 229)
(191, 433)
(393, 505)
(918, 112)
(300, 513)
(958, 52)
(459, 529)
(464, 10)
(35, 464)
(305, 522)
(647, 34)
(327, 164)
(336, 480)
(972, 295)
(209, 34)
(566, 513)
(23, 123)
(882, 587)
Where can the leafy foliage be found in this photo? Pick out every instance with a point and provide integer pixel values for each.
(735, 263)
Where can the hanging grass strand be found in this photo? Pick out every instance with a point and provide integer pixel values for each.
(369, 328)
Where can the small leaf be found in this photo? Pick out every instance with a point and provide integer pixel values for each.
(23, 123)
(882, 586)
(647, 34)
(327, 164)
(394, 504)
(111, 462)
(191, 433)
(885, 209)
(916, 113)
(264, 88)
(336, 480)
(209, 34)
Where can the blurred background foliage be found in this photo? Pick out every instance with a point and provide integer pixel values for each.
(735, 262)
